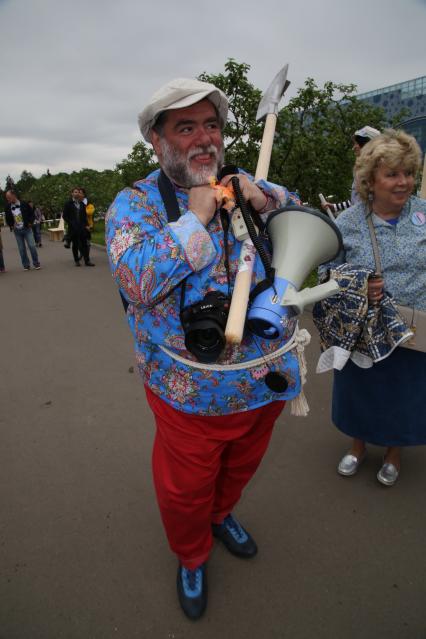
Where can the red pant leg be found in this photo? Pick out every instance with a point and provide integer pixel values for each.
(241, 458)
(187, 459)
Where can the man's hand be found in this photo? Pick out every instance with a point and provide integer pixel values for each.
(202, 202)
(327, 206)
(250, 191)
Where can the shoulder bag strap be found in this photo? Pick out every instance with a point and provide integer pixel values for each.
(168, 194)
(171, 204)
(374, 243)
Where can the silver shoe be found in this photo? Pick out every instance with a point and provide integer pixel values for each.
(349, 464)
(388, 474)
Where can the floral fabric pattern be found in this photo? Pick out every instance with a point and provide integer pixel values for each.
(347, 321)
(149, 259)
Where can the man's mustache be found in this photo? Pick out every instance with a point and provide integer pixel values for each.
(199, 150)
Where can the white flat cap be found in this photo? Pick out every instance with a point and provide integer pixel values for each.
(367, 132)
(177, 94)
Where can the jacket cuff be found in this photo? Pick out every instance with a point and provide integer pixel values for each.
(195, 240)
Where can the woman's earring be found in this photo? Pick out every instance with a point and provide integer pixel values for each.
(370, 196)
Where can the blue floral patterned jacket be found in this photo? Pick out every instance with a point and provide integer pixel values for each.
(149, 259)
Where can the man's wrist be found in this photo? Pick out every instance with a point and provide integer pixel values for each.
(269, 203)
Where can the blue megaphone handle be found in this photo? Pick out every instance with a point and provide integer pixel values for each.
(267, 318)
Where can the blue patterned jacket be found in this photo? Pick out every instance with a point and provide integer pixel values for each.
(149, 259)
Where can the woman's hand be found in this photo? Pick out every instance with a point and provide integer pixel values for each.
(250, 191)
(375, 289)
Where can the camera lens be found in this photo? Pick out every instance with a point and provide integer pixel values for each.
(204, 326)
(206, 340)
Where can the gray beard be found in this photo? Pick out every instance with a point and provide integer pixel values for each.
(178, 167)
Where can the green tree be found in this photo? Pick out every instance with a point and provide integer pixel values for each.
(312, 151)
(313, 147)
(10, 184)
(24, 184)
(137, 165)
(51, 191)
(242, 132)
(101, 186)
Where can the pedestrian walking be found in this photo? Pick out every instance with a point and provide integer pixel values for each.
(20, 218)
(78, 233)
(2, 267)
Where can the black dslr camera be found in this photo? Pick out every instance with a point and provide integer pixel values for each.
(204, 325)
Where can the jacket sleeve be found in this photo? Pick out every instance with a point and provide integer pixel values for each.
(84, 217)
(66, 212)
(29, 213)
(9, 217)
(149, 257)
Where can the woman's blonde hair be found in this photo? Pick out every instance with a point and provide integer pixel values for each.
(393, 148)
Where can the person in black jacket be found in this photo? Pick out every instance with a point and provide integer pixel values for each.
(75, 216)
(2, 267)
(20, 218)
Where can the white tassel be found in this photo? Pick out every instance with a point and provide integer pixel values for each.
(299, 405)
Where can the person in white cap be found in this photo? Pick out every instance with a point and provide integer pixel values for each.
(360, 138)
(174, 257)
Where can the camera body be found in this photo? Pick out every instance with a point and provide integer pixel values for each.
(204, 325)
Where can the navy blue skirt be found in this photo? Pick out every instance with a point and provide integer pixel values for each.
(386, 404)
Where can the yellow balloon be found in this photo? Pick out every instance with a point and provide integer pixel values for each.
(90, 209)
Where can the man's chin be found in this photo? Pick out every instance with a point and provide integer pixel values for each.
(202, 175)
(188, 176)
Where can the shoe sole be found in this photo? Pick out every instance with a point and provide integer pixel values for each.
(353, 472)
(385, 482)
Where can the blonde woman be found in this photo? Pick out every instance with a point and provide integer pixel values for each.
(384, 405)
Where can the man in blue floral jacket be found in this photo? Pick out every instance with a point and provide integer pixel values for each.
(214, 420)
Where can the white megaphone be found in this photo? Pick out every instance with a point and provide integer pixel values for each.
(302, 239)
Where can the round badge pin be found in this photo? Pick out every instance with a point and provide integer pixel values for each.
(418, 218)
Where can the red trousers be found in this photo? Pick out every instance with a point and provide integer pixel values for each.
(201, 466)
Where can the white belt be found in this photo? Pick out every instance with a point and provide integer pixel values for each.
(293, 342)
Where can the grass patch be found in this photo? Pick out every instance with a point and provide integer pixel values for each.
(98, 233)
(311, 280)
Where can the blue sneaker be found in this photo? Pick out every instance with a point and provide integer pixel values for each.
(237, 540)
(192, 590)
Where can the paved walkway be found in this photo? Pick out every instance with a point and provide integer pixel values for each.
(82, 550)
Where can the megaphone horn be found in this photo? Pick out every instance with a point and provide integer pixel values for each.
(302, 239)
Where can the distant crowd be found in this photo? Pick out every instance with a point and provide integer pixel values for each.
(24, 219)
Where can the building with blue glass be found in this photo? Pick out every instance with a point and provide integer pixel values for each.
(411, 95)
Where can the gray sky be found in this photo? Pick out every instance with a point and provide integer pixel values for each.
(76, 74)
